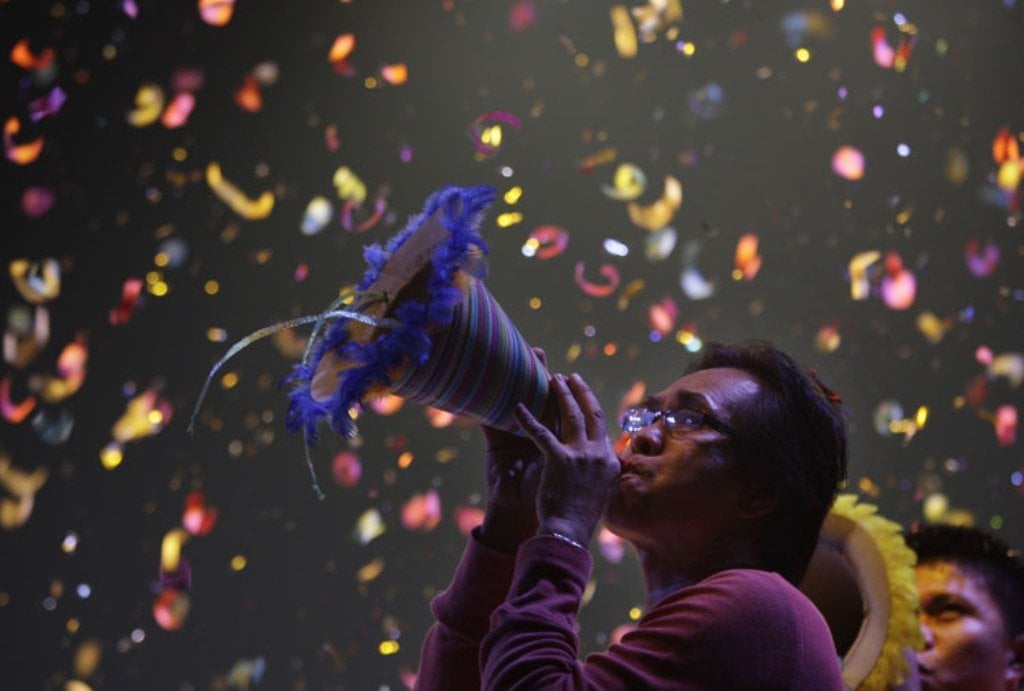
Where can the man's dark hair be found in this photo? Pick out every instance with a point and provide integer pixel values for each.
(983, 557)
(792, 437)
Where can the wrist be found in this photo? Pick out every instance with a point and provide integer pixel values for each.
(499, 532)
(567, 531)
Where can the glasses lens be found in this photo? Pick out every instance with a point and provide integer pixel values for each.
(683, 421)
(636, 419)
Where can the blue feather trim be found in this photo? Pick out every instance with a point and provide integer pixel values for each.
(462, 210)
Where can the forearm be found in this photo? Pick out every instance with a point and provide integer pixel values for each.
(450, 655)
(532, 642)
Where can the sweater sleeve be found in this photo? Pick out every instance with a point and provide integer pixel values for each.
(736, 629)
(450, 655)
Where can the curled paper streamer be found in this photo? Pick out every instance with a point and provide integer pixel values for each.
(20, 153)
(486, 134)
(37, 282)
(249, 209)
(660, 213)
(610, 273)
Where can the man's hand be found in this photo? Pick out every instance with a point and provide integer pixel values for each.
(513, 474)
(579, 464)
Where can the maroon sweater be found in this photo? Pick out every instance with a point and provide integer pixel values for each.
(509, 621)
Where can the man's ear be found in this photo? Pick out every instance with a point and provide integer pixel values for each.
(757, 500)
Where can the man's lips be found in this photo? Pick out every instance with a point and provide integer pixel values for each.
(630, 469)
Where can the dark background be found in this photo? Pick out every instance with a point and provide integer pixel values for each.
(761, 164)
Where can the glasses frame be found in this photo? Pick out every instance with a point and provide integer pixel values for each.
(705, 420)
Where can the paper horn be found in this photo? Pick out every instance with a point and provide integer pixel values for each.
(448, 344)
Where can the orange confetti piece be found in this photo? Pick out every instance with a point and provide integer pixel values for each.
(1004, 147)
(216, 12)
(395, 74)
(24, 153)
(14, 413)
(747, 260)
(249, 97)
(23, 57)
(342, 48)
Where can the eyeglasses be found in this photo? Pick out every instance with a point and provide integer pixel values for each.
(678, 423)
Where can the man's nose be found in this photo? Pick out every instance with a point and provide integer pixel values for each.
(650, 440)
(926, 633)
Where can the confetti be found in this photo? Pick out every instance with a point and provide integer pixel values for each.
(198, 518)
(422, 512)
(349, 186)
(341, 49)
(232, 196)
(546, 242)
(37, 282)
(624, 32)
(317, 215)
(746, 259)
(899, 286)
(170, 609)
(346, 469)
(16, 510)
(1006, 425)
(145, 415)
(860, 285)
(22, 153)
(216, 12)
(848, 163)
(149, 106)
(658, 214)
(395, 74)
(369, 526)
(628, 183)
(654, 16)
(48, 105)
(486, 134)
(609, 272)
(23, 57)
(178, 110)
(131, 291)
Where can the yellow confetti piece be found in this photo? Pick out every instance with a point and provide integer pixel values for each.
(509, 219)
(37, 282)
(858, 268)
(628, 183)
(111, 456)
(149, 104)
(660, 213)
(349, 186)
(231, 195)
(369, 572)
(624, 33)
(170, 549)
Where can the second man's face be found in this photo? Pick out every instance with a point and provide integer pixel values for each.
(966, 643)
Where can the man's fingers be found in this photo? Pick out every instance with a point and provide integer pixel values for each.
(537, 432)
(574, 427)
(593, 413)
(542, 356)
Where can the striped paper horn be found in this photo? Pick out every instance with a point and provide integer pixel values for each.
(455, 348)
